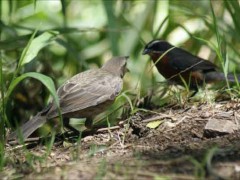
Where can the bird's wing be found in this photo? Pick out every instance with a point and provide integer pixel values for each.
(88, 89)
(181, 60)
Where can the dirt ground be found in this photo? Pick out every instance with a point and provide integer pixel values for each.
(176, 149)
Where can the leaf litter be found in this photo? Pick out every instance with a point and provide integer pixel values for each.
(177, 148)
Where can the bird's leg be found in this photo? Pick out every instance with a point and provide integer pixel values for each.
(89, 123)
(66, 123)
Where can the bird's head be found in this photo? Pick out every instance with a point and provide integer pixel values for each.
(116, 66)
(156, 47)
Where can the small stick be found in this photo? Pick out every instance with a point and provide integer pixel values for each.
(156, 118)
(108, 128)
(27, 140)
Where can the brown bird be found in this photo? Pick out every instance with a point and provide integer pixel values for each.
(85, 95)
(177, 65)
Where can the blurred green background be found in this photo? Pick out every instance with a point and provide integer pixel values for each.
(88, 33)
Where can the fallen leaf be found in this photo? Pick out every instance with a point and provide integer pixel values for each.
(154, 124)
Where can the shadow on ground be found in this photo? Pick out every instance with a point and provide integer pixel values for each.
(176, 149)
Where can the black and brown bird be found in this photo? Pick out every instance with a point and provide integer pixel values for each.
(178, 65)
(85, 95)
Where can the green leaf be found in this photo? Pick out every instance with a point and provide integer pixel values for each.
(35, 45)
(47, 81)
(123, 94)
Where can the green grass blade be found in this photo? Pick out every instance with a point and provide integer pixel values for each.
(2, 120)
(233, 8)
(215, 26)
(47, 81)
(35, 4)
(160, 27)
(13, 43)
(129, 100)
(209, 44)
(112, 24)
(132, 37)
(10, 4)
(2, 105)
(160, 58)
(64, 9)
(186, 85)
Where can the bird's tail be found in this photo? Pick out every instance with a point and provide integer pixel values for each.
(219, 76)
(29, 127)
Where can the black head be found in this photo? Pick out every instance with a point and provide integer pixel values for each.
(157, 46)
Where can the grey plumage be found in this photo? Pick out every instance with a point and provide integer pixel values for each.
(85, 95)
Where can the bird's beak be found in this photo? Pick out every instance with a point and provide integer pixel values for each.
(126, 69)
(145, 51)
